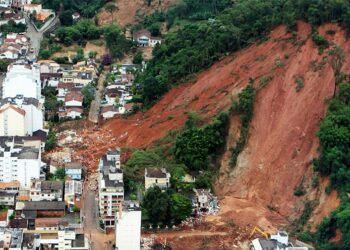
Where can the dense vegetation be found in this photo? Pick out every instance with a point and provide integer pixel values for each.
(11, 26)
(195, 145)
(334, 161)
(86, 30)
(244, 107)
(164, 208)
(87, 8)
(198, 44)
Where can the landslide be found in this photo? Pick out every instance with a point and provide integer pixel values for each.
(130, 12)
(282, 140)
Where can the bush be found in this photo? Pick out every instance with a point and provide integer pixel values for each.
(299, 190)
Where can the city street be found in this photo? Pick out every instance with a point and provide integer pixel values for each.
(99, 240)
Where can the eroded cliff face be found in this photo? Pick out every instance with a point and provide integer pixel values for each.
(282, 138)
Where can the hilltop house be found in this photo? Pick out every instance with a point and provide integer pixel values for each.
(145, 39)
(157, 177)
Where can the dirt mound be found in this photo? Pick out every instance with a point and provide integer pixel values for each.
(131, 11)
(282, 140)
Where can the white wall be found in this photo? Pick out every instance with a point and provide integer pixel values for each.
(128, 230)
(12, 123)
(21, 80)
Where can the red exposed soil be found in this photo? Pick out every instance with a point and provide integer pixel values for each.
(282, 140)
(130, 11)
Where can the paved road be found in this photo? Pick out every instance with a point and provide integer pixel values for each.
(36, 37)
(98, 238)
(94, 113)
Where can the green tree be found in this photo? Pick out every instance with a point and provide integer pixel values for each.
(51, 140)
(66, 18)
(156, 205)
(138, 58)
(60, 174)
(181, 207)
(44, 54)
(116, 41)
(88, 92)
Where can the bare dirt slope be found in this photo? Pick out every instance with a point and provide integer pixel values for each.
(282, 139)
(130, 11)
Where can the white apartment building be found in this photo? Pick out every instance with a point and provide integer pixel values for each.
(128, 227)
(111, 187)
(22, 79)
(20, 116)
(20, 161)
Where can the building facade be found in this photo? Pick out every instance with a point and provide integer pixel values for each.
(111, 187)
(20, 162)
(22, 79)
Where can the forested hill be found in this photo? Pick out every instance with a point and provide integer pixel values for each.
(87, 8)
(200, 43)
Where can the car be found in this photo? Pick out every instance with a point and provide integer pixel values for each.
(31, 50)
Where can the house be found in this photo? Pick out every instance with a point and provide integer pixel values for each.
(16, 38)
(111, 95)
(72, 194)
(71, 112)
(34, 209)
(73, 99)
(74, 170)
(144, 39)
(10, 187)
(21, 160)
(109, 111)
(110, 187)
(76, 16)
(279, 241)
(204, 200)
(46, 190)
(26, 113)
(73, 105)
(157, 177)
(7, 15)
(24, 80)
(7, 199)
(42, 16)
(50, 79)
(8, 53)
(49, 66)
(65, 87)
(128, 227)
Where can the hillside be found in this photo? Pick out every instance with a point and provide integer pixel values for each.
(130, 12)
(282, 140)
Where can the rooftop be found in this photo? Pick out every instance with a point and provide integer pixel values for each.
(43, 205)
(156, 173)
